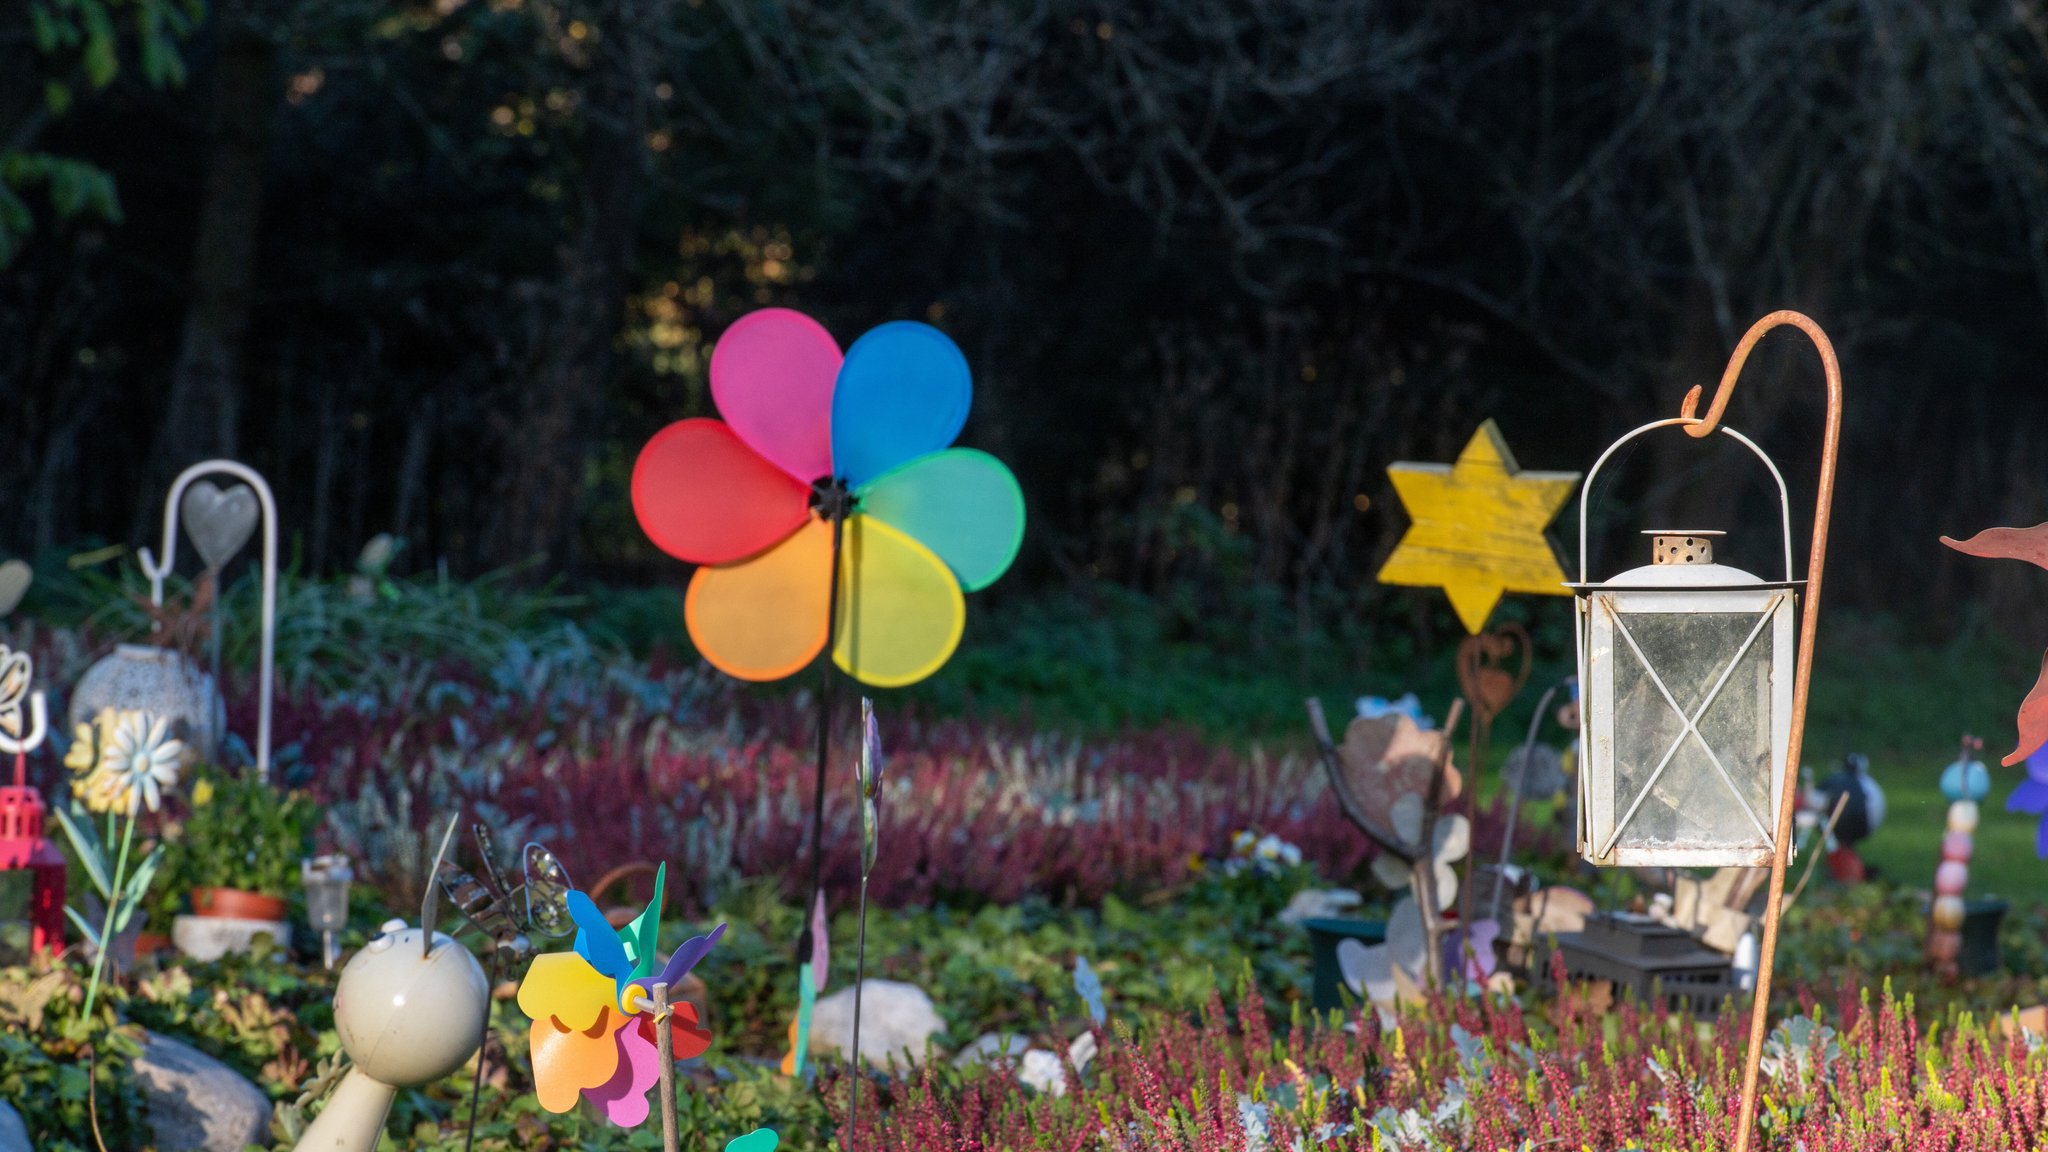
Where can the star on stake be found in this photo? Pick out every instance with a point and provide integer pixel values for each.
(1478, 527)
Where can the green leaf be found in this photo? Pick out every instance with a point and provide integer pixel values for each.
(48, 33)
(136, 886)
(57, 96)
(101, 56)
(86, 928)
(77, 825)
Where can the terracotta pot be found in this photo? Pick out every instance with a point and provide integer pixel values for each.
(151, 942)
(233, 902)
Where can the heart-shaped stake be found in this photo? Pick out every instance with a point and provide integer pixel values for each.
(220, 523)
(1488, 672)
(14, 581)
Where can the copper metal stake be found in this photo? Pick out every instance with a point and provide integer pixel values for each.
(664, 1039)
(1760, 1011)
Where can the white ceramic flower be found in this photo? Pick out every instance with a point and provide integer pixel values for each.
(138, 763)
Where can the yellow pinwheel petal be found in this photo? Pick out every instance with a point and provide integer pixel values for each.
(900, 608)
(763, 618)
(564, 986)
(568, 1060)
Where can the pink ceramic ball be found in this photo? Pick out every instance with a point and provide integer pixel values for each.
(1957, 846)
(1948, 913)
(1962, 816)
(1944, 947)
(1951, 878)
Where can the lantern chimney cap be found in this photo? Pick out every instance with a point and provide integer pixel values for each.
(1681, 547)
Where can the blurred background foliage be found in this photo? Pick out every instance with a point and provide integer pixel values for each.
(438, 269)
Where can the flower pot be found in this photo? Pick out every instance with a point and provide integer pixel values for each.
(236, 904)
(1324, 935)
(158, 681)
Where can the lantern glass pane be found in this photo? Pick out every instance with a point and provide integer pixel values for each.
(1691, 803)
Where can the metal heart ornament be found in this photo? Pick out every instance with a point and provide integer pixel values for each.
(1489, 673)
(1388, 759)
(15, 576)
(218, 522)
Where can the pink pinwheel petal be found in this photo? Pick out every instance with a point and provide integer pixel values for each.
(772, 375)
(623, 1098)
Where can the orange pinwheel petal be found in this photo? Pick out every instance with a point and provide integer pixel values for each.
(568, 1060)
(764, 618)
(702, 495)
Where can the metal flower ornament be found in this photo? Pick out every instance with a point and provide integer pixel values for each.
(602, 1022)
(2031, 797)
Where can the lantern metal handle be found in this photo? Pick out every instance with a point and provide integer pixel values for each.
(1691, 424)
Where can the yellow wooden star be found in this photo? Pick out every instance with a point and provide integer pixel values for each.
(1478, 527)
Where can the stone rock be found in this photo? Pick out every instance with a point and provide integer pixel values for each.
(1320, 904)
(1082, 1051)
(206, 938)
(1041, 1072)
(897, 1022)
(13, 1133)
(988, 1048)
(197, 1103)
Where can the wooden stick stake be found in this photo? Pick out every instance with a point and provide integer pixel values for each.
(664, 1038)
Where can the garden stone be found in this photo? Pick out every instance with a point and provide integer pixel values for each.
(897, 1021)
(988, 1048)
(13, 1133)
(1041, 1072)
(1320, 904)
(196, 1103)
(1082, 1051)
(206, 938)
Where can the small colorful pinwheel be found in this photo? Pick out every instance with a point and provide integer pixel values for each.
(822, 458)
(594, 1014)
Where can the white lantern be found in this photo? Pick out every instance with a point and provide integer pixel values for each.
(1686, 684)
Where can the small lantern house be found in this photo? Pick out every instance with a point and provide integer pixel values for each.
(1686, 668)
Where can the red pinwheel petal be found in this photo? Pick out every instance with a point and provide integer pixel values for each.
(703, 496)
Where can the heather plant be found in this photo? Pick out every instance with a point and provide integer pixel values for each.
(1488, 1075)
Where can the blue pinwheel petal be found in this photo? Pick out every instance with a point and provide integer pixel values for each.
(685, 958)
(903, 391)
(2041, 840)
(596, 941)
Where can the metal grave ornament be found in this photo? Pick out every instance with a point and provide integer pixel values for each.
(1687, 664)
(1693, 693)
(15, 577)
(219, 523)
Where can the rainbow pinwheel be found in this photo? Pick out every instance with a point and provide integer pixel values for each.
(594, 1018)
(822, 454)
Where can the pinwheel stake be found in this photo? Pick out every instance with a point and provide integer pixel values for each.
(827, 513)
(1663, 785)
(868, 775)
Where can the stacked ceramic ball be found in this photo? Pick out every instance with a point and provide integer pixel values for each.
(1964, 783)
